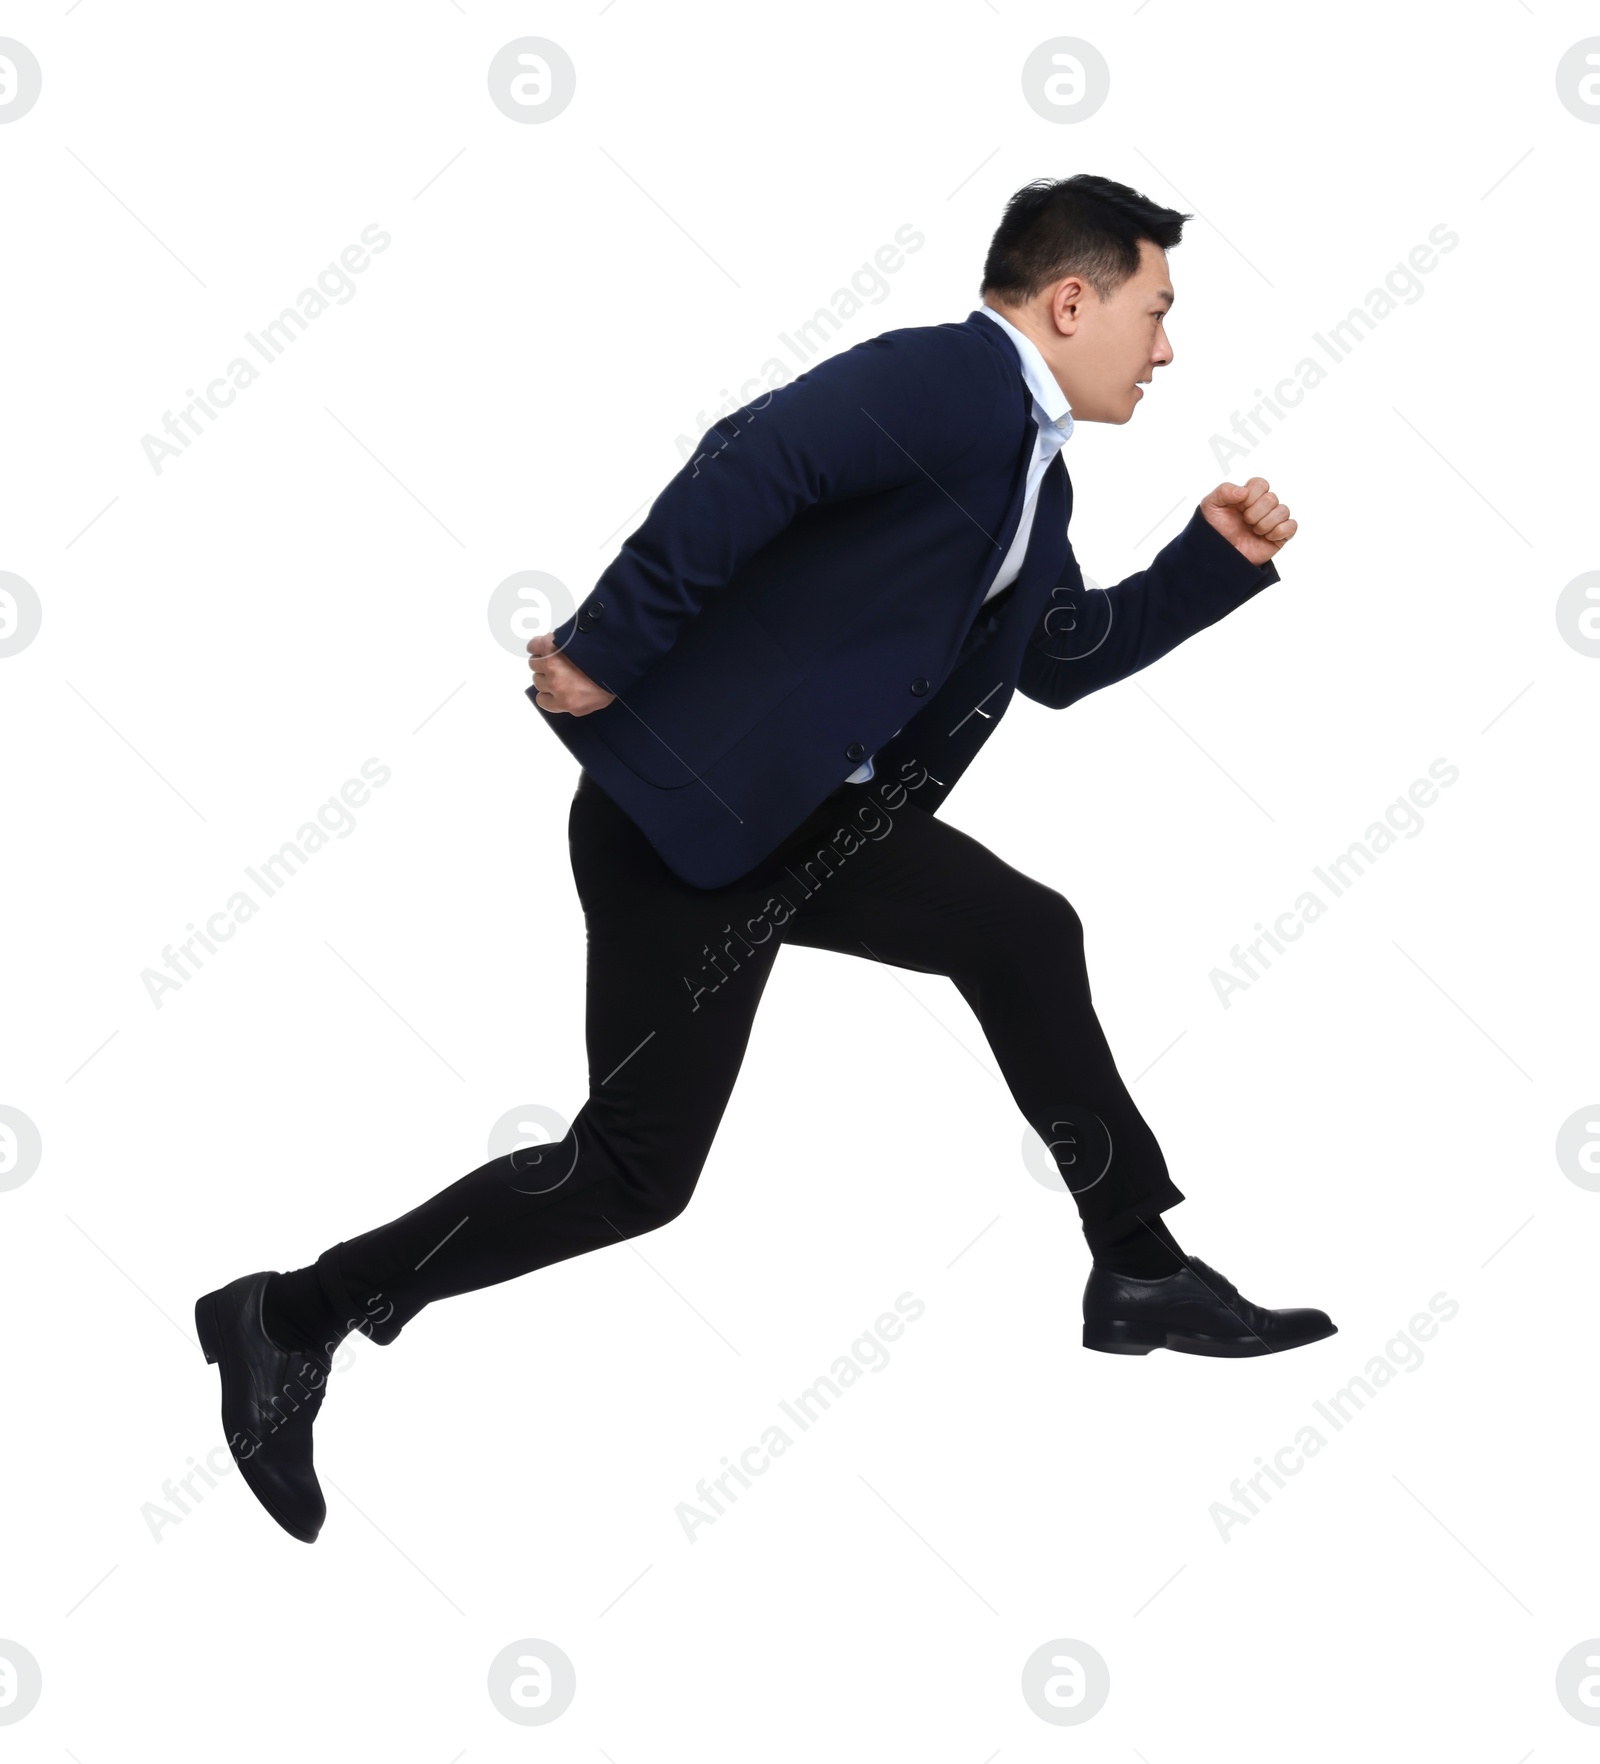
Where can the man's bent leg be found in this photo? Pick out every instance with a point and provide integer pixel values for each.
(923, 895)
(897, 885)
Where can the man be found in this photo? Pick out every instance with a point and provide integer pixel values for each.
(771, 690)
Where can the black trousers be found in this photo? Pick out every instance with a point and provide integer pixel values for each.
(675, 974)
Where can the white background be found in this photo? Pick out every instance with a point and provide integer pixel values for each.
(1372, 1123)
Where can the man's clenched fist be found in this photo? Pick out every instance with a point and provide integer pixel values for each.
(1250, 518)
(561, 686)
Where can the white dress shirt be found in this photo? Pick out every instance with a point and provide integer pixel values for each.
(1053, 415)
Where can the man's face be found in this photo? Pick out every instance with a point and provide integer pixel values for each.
(1102, 352)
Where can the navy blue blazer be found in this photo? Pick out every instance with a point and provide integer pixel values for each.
(800, 591)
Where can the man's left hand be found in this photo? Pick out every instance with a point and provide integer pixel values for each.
(562, 685)
(1250, 518)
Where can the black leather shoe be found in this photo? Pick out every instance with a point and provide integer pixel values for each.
(1195, 1311)
(270, 1397)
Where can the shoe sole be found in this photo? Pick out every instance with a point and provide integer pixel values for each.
(1145, 1338)
(208, 1326)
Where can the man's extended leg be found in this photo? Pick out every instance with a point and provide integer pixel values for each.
(671, 998)
(667, 1019)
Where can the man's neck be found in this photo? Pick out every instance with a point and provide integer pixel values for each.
(1025, 322)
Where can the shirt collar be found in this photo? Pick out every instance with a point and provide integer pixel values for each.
(1046, 390)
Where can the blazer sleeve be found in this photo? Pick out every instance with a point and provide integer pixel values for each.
(1089, 638)
(905, 405)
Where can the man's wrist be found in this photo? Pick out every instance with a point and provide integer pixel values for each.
(1221, 555)
(592, 654)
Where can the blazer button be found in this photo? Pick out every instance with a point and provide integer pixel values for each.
(596, 607)
(919, 686)
(855, 751)
(585, 620)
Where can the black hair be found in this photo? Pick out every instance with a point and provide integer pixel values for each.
(1083, 225)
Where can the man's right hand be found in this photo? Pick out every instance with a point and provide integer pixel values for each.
(561, 685)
